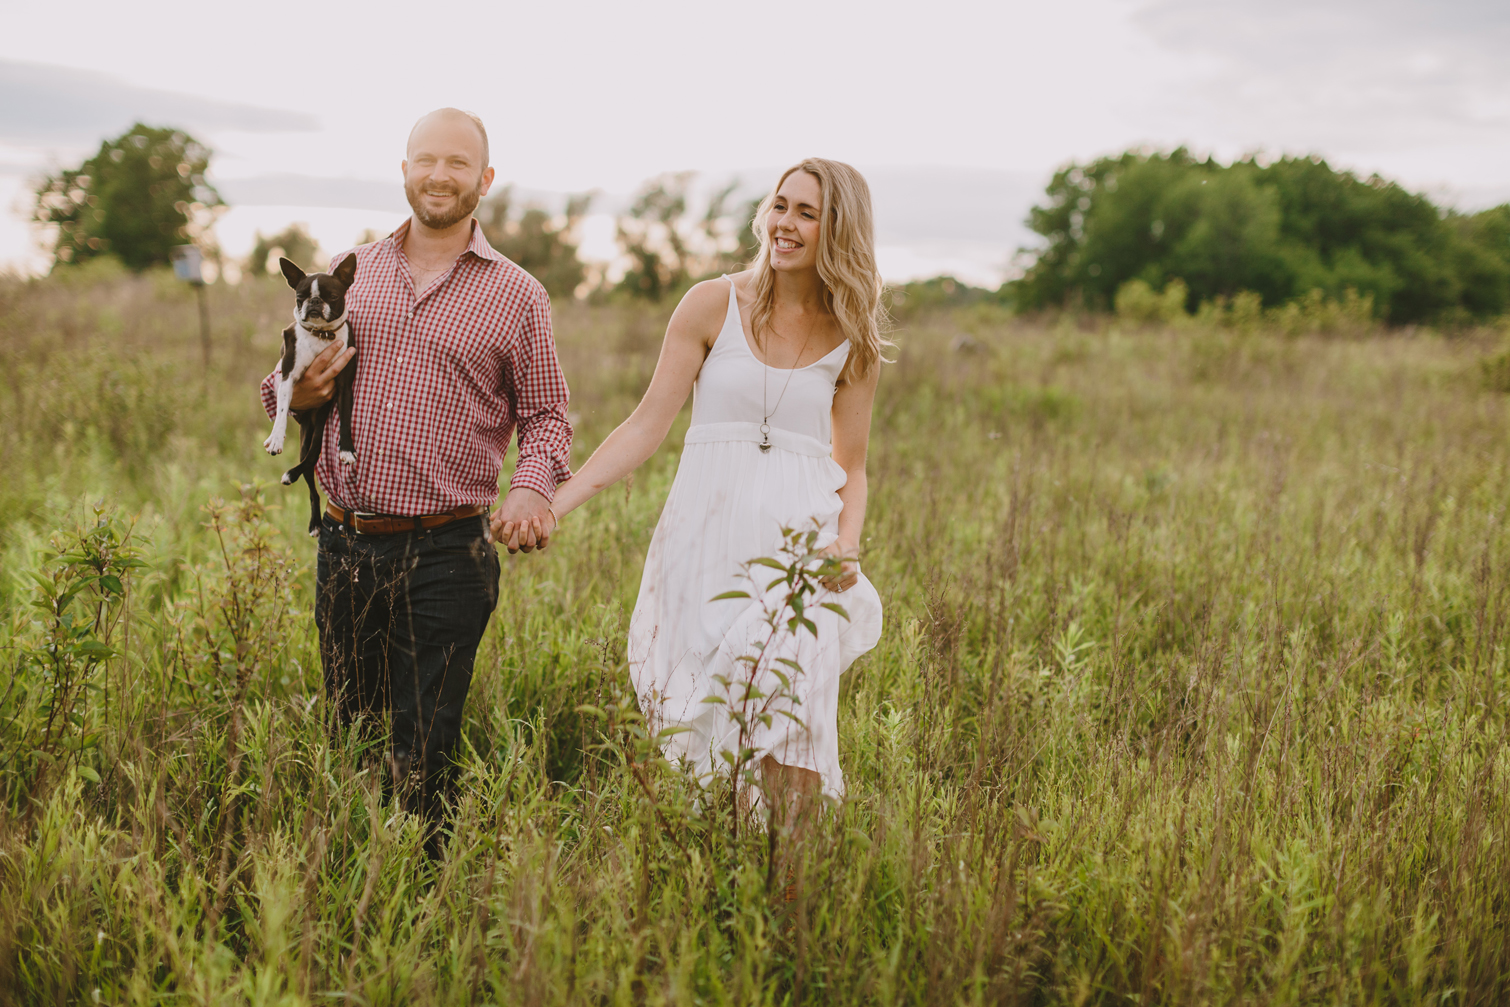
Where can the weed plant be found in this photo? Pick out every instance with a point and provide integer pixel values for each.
(1192, 691)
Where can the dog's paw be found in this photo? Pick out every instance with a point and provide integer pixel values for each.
(273, 446)
(348, 457)
(288, 478)
(314, 532)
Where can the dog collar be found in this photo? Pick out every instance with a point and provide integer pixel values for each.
(334, 325)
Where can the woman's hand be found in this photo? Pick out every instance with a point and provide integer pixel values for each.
(849, 568)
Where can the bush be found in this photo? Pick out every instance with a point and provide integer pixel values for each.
(1139, 303)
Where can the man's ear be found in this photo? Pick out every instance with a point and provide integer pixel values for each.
(291, 272)
(346, 271)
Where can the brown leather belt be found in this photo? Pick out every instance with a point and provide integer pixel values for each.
(394, 524)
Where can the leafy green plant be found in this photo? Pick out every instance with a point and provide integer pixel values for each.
(764, 688)
(60, 649)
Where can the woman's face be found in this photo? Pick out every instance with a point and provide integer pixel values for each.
(793, 224)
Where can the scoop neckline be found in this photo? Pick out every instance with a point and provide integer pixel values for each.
(745, 339)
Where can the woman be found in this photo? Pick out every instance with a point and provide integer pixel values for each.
(783, 359)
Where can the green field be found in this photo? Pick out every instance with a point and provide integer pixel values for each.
(1192, 690)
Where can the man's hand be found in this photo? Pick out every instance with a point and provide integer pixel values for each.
(524, 522)
(318, 384)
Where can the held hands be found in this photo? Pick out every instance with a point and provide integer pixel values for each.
(849, 568)
(525, 522)
(318, 382)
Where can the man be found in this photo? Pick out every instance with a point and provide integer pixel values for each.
(456, 350)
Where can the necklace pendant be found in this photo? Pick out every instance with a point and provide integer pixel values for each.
(765, 438)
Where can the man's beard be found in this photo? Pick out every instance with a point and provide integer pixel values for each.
(466, 202)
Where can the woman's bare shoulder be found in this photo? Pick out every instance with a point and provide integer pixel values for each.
(703, 308)
(743, 285)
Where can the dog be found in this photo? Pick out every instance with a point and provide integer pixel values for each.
(319, 320)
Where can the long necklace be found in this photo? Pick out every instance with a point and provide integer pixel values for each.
(765, 422)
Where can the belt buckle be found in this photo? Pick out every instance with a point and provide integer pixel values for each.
(356, 516)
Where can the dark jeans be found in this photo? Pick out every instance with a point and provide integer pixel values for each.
(400, 617)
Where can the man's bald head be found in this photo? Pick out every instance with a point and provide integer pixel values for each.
(445, 168)
(450, 116)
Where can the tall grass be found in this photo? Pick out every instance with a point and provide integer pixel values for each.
(1192, 691)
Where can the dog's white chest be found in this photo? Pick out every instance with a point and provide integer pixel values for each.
(307, 346)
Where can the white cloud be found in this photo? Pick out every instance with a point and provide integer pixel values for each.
(1384, 84)
(44, 104)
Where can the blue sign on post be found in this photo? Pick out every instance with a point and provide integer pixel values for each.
(188, 263)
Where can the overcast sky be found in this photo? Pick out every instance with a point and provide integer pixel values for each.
(958, 111)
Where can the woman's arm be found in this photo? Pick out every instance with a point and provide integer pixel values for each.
(852, 408)
(694, 326)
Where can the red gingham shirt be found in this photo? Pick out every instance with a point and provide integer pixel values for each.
(442, 379)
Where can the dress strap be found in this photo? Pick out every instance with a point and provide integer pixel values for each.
(731, 317)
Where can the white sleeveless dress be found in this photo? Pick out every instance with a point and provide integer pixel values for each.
(728, 505)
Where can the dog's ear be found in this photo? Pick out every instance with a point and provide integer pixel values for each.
(293, 273)
(346, 271)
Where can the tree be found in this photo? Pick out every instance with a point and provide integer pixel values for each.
(141, 194)
(729, 234)
(538, 243)
(651, 236)
(667, 253)
(294, 242)
(1279, 230)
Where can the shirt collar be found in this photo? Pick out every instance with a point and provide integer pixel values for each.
(478, 245)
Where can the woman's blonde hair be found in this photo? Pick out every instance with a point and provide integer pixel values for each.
(846, 263)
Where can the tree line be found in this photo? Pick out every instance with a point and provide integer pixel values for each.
(1279, 230)
(1203, 232)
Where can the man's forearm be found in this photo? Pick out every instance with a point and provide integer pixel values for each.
(544, 451)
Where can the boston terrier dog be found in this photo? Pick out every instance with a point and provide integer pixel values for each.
(319, 320)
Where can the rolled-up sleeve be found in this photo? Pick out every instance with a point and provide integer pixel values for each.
(270, 393)
(540, 396)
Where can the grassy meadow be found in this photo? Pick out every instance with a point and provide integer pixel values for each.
(1192, 689)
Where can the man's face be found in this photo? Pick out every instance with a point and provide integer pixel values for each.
(444, 178)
